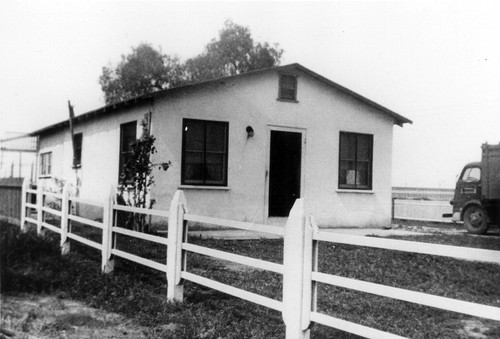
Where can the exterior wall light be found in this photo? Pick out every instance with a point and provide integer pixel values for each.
(250, 132)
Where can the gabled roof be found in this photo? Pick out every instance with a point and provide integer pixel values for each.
(398, 119)
(112, 108)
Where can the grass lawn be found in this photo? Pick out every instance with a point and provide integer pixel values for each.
(33, 264)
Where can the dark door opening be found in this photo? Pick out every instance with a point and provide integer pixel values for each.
(284, 172)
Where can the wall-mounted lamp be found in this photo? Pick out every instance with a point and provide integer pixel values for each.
(250, 132)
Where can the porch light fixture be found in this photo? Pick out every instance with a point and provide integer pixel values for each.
(250, 132)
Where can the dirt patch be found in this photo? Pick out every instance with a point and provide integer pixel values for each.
(32, 316)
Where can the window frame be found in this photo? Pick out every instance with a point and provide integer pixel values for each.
(467, 177)
(355, 186)
(122, 153)
(77, 150)
(281, 87)
(46, 166)
(204, 182)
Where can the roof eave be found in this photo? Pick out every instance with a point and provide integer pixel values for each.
(398, 119)
(94, 113)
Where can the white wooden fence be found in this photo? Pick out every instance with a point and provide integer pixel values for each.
(424, 210)
(299, 268)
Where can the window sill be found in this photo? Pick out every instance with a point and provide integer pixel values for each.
(287, 100)
(199, 187)
(341, 190)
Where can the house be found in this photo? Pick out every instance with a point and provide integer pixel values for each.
(243, 147)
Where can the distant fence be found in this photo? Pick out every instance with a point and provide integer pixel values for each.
(10, 199)
(300, 259)
(440, 194)
(423, 204)
(422, 210)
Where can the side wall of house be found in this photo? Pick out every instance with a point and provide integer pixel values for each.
(321, 113)
(100, 153)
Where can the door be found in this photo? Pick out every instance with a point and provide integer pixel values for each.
(468, 187)
(284, 172)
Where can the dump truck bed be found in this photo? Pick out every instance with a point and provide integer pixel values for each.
(490, 172)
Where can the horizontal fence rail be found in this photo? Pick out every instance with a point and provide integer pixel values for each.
(85, 241)
(420, 298)
(234, 291)
(141, 210)
(84, 201)
(51, 227)
(52, 211)
(347, 326)
(457, 252)
(140, 235)
(30, 205)
(52, 194)
(140, 260)
(31, 220)
(86, 221)
(236, 258)
(246, 226)
(299, 269)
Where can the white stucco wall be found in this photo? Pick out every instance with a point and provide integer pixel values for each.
(100, 153)
(321, 113)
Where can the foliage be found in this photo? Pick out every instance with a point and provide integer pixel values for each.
(235, 52)
(146, 69)
(137, 179)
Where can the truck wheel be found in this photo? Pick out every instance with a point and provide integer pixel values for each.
(476, 220)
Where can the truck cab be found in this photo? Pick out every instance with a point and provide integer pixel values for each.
(477, 194)
(467, 195)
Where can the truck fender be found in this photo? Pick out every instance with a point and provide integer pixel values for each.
(471, 203)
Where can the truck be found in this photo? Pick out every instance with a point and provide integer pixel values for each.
(476, 200)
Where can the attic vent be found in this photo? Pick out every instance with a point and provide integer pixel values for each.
(288, 88)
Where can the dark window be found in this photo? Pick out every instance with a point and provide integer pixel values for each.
(77, 150)
(288, 88)
(46, 164)
(355, 161)
(204, 152)
(128, 137)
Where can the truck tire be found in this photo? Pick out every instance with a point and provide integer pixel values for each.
(476, 220)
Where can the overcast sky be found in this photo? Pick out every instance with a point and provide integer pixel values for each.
(436, 63)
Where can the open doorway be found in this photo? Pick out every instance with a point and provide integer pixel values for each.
(284, 171)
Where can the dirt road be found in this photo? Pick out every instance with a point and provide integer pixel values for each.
(30, 316)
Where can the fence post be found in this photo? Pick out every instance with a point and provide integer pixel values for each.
(39, 211)
(297, 284)
(65, 244)
(24, 197)
(393, 205)
(176, 234)
(315, 263)
(107, 261)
